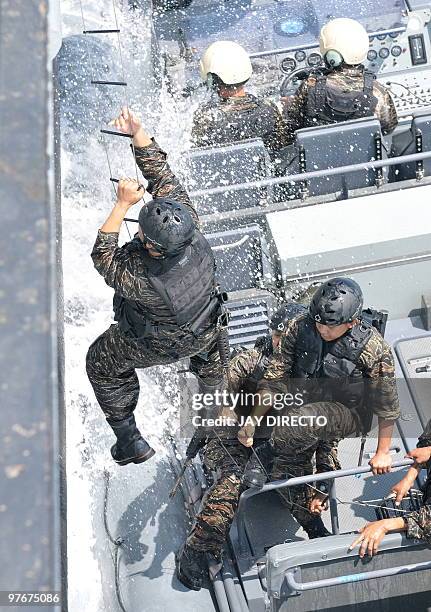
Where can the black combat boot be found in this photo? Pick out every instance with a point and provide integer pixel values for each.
(131, 446)
(191, 567)
(316, 528)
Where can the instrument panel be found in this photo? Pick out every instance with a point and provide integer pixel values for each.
(402, 52)
(389, 52)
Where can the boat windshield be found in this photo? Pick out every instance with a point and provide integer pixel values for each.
(263, 25)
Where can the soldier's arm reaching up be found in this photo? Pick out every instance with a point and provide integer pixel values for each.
(151, 159)
(114, 263)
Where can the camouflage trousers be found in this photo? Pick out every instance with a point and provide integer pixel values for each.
(295, 447)
(219, 505)
(113, 358)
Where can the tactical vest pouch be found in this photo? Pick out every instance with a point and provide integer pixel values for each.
(332, 104)
(334, 367)
(126, 316)
(376, 318)
(206, 317)
(118, 306)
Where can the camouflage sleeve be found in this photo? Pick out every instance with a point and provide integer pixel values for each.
(296, 110)
(202, 120)
(425, 437)
(278, 137)
(419, 525)
(327, 456)
(240, 367)
(381, 385)
(385, 110)
(162, 182)
(116, 266)
(279, 370)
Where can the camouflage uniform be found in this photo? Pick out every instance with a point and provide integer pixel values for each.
(294, 447)
(218, 508)
(113, 357)
(347, 78)
(419, 523)
(215, 518)
(226, 120)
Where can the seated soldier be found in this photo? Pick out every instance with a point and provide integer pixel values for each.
(345, 90)
(345, 372)
(417, 525)
(226, 455)
(232, 114)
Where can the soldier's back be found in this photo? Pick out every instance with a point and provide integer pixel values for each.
(227, 120)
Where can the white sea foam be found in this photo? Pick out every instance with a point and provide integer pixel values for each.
(86, 200)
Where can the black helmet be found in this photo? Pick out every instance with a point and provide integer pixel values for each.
(337, 301)
(284, 314)
(167, 224)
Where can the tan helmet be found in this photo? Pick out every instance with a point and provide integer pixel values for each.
(343, 40)
(228, 60)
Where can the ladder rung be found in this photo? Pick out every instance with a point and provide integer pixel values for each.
(114, 180)
(109, 83)
(101, 31)
(116, 133)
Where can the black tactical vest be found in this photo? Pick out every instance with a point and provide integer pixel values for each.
(336, 360)
(186, 285)
(328, 103)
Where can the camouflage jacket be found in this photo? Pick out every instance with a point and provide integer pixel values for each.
(226, 120)
(240, 368)
(419, 523)
(123, 267)
(346, 78)
(375, 362)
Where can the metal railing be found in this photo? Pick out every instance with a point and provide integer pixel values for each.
(295, 586)
(299, 480)
(294, 178)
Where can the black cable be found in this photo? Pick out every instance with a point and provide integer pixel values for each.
(116, 542)
(117, 578)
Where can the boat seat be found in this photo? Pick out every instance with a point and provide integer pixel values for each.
(414, 140)
(239, 162)
(241, 255)
(332, 146)
(321, 575)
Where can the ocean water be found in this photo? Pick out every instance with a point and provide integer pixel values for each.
(87, 197)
